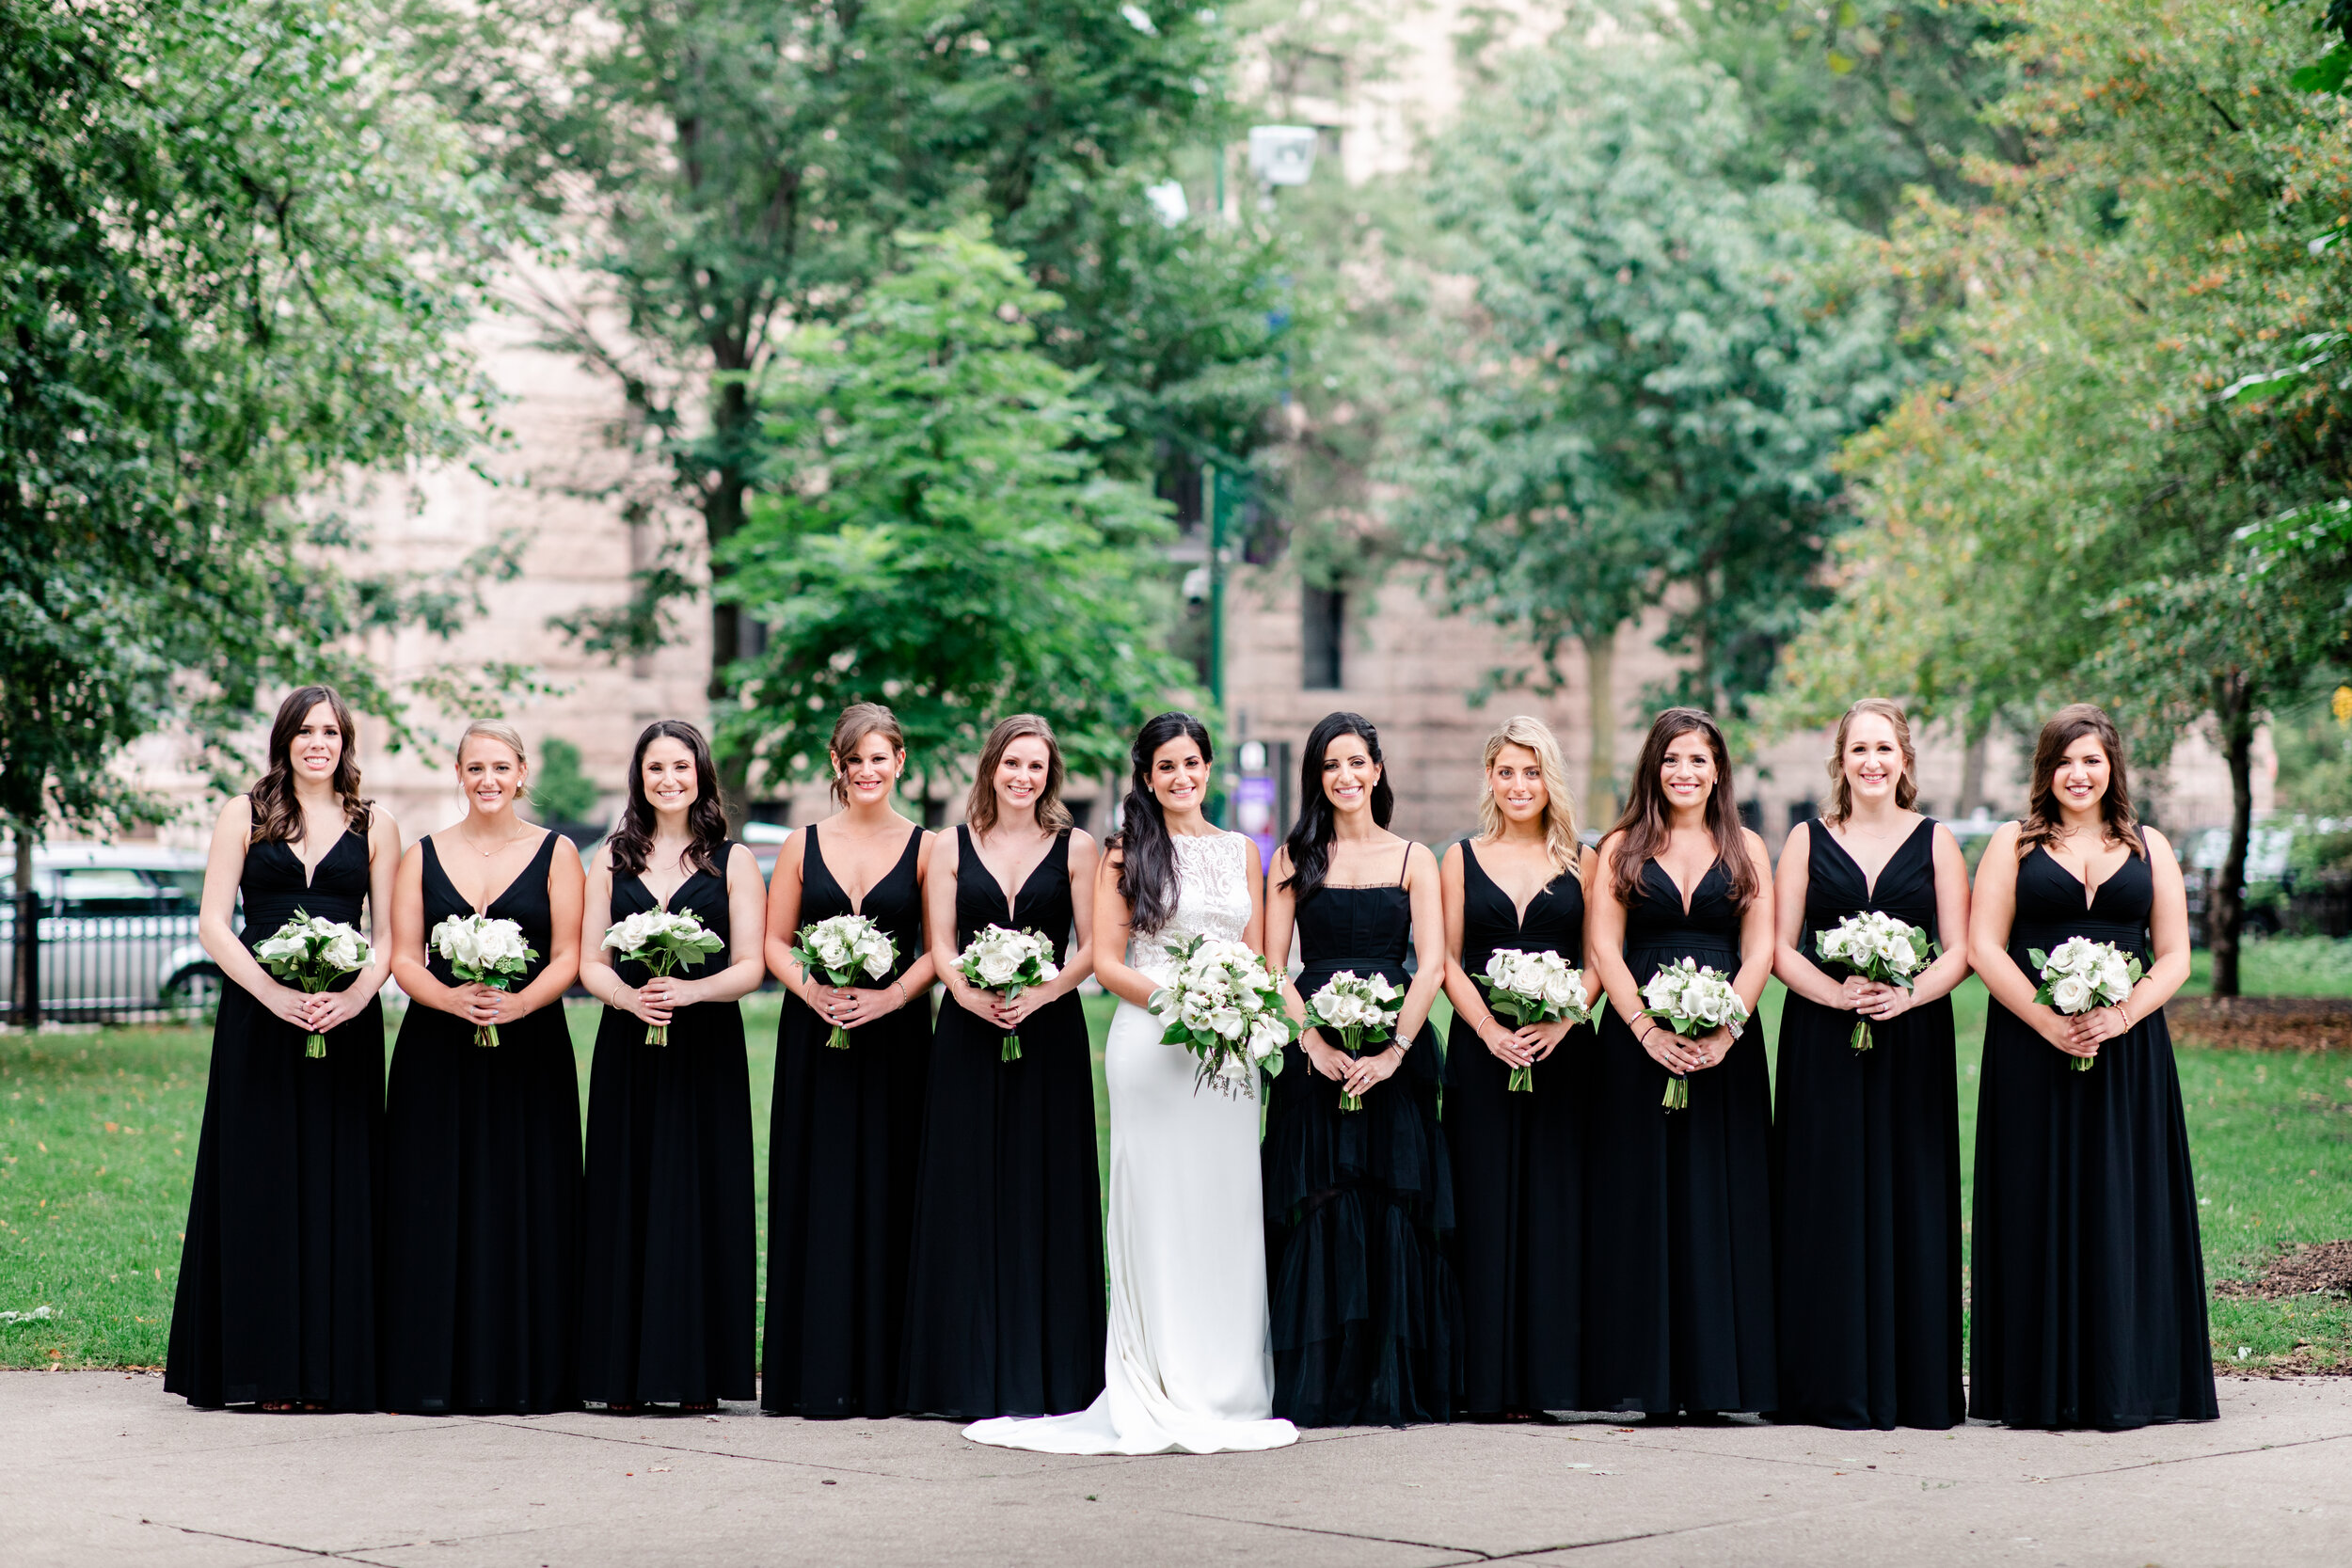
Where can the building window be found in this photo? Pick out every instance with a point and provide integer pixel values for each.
(1752, 816)
(1322, 633)
(1801, 812)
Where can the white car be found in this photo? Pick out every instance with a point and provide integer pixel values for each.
(118, 932)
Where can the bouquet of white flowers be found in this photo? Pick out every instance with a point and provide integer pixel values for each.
(1877, 947)
(1226, 1008)
(1692, 1000)
(487, 952)
(1361, 1008)
(1533, 988)
(1007, 962)
(311, 955)
(661, 941)
(840, 950)
(2082, 976)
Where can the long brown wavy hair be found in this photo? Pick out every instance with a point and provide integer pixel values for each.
(1906, 787)
(277, 816)
(1641, 833)
(980, 807)
(2044, 821)
(706, 819)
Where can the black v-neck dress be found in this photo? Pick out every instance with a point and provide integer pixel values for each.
(1006, 1308)
(843, 1137)
(1518, 1170)
(670, 1252)
(1868, 1149)
(1366, 1316)
(275, 1299)
(1679, 1218)
(2088, 1276)
(482, 1213)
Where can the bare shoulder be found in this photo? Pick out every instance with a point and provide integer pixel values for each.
(2158, 845)
(2004, 838)
(1421, 858)
(1756, 852)
(1798, 842)
(1451, 862)
(383, 832)
(237, 812)
(1249, 854)
(1082, 843)
(741, 861)
(945, 850)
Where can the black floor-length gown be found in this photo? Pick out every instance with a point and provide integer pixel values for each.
(2088, 1285)
(844, 1135)
(483, 1188)
(670, 1249)
(1005, 1310)
(1518, 1170)
(276, 1292)
(1678, 1217)
(1366, 1316)
(1868, 1146)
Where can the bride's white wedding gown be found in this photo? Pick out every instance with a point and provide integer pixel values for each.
(1188, 1364)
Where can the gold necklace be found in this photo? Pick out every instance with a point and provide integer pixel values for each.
(511, 839)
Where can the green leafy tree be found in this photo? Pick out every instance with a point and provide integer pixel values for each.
(559, 792)
(935, 530)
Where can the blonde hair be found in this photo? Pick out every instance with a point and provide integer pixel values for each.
(1906, 787)
(857, 722)
(507, 736)
(1534, 734)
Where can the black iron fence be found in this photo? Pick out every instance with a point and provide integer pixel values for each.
(118, 967)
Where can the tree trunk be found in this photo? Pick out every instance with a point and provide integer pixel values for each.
(1600, 772)
(26, 955)
(2225, 905)
(723, 514)
(1972, 767)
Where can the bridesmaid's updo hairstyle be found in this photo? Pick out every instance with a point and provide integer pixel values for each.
(980, 807)
(1147, 858)
(1309, 840)
(706, 819)
(276, 817)
(1641, 833)
(857, 722)
(1536, 736)
(2043, 817)
(1906, 787)
(507, 736)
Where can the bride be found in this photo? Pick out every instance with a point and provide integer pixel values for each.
(1187, 1366)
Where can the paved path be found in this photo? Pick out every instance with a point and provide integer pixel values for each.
(103, 1468)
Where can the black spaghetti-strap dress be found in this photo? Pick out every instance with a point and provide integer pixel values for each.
(1006, 1310)
(1366, 1316)
(1678, 1222)
(276, 1292)
(1869, 1147)
(481, 1215)
(2088, 1278)
(670, 1252)
(1518, 1170)
(843, 1137)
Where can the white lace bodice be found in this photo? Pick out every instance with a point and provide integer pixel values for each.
(1212, 900)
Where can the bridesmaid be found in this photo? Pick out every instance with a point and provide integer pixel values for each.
(847, 1125)
(1869, 1141)
(2087, 1288)
(1005, 1305)
(482, 1212)
(670, 1251)
(1366, 1319)
(276, 1304)
(1519, 1158)
(1679, 1319)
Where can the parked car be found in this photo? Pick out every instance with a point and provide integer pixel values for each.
(118, 932)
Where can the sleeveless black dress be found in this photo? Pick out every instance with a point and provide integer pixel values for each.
(1678, 1301)
(276, 1292)
(482, 1210)
(2088, 1284)
(1366, 1317)
(1869, 1146)
(844, 1134)
(1006, 1311)
(669, 1254)
(1518, 1170)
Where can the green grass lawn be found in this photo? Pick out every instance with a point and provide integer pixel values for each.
(97, 1138)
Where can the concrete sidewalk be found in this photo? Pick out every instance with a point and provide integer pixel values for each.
(104, 1468)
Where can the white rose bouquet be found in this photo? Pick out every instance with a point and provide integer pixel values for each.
(1690, 999)
(1877, 947)
(1226, 1008)
(1007, 962)
(1533, 988)
(1361, 1009)
(2083, 975)
(311, 955)
(484, 952)
(841, 949)
(662, 942)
